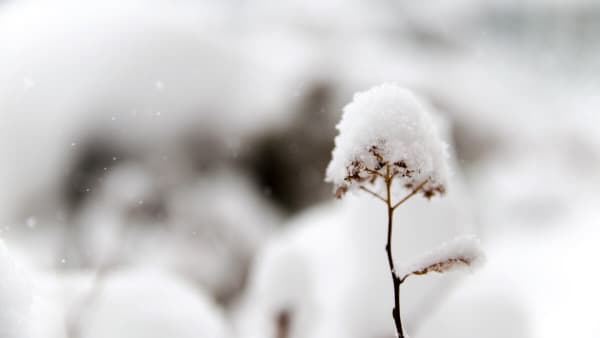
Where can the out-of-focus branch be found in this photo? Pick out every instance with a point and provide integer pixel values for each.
(373, 193)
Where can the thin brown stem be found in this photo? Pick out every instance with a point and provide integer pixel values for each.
(376, 173)
(388, 248)
(396, 280)
(373, 193)
(414, 192)
(403, 278)
(284, 321)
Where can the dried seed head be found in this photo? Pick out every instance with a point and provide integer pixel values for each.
(388, 128)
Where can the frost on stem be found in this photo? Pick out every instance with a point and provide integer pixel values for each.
(387, 126)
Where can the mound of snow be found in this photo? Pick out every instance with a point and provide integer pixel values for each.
(152, 304)
(15, 297)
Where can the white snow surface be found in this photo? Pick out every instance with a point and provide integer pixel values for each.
(15, 297)
(394, 120)
(149, 303)
(465, 247)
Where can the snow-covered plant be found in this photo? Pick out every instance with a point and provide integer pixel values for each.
(462, 251)
(387, 144)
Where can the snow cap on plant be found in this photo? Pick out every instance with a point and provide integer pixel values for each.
(388, 127)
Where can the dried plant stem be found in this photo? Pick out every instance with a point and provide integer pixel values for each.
(388, 178)
(283, 320)
(375, 173)
(376, 195)
(388, 247)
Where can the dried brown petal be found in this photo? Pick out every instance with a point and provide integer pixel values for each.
(340, 191)
(444, 266)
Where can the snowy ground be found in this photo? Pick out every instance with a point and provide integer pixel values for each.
(163, 164)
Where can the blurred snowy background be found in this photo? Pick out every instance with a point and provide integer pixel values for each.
(162, 168)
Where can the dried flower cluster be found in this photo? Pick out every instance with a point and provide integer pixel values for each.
(388, 126)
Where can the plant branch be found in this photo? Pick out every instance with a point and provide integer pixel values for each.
(373, 193)
(388, 248)
(441, 266)
(376, 173)
(415, 191)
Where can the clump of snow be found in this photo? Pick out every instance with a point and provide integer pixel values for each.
(463, 251)
(15, 298)
(152, 303)
(388, 126)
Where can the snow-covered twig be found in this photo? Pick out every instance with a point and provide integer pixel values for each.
(461, 252)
